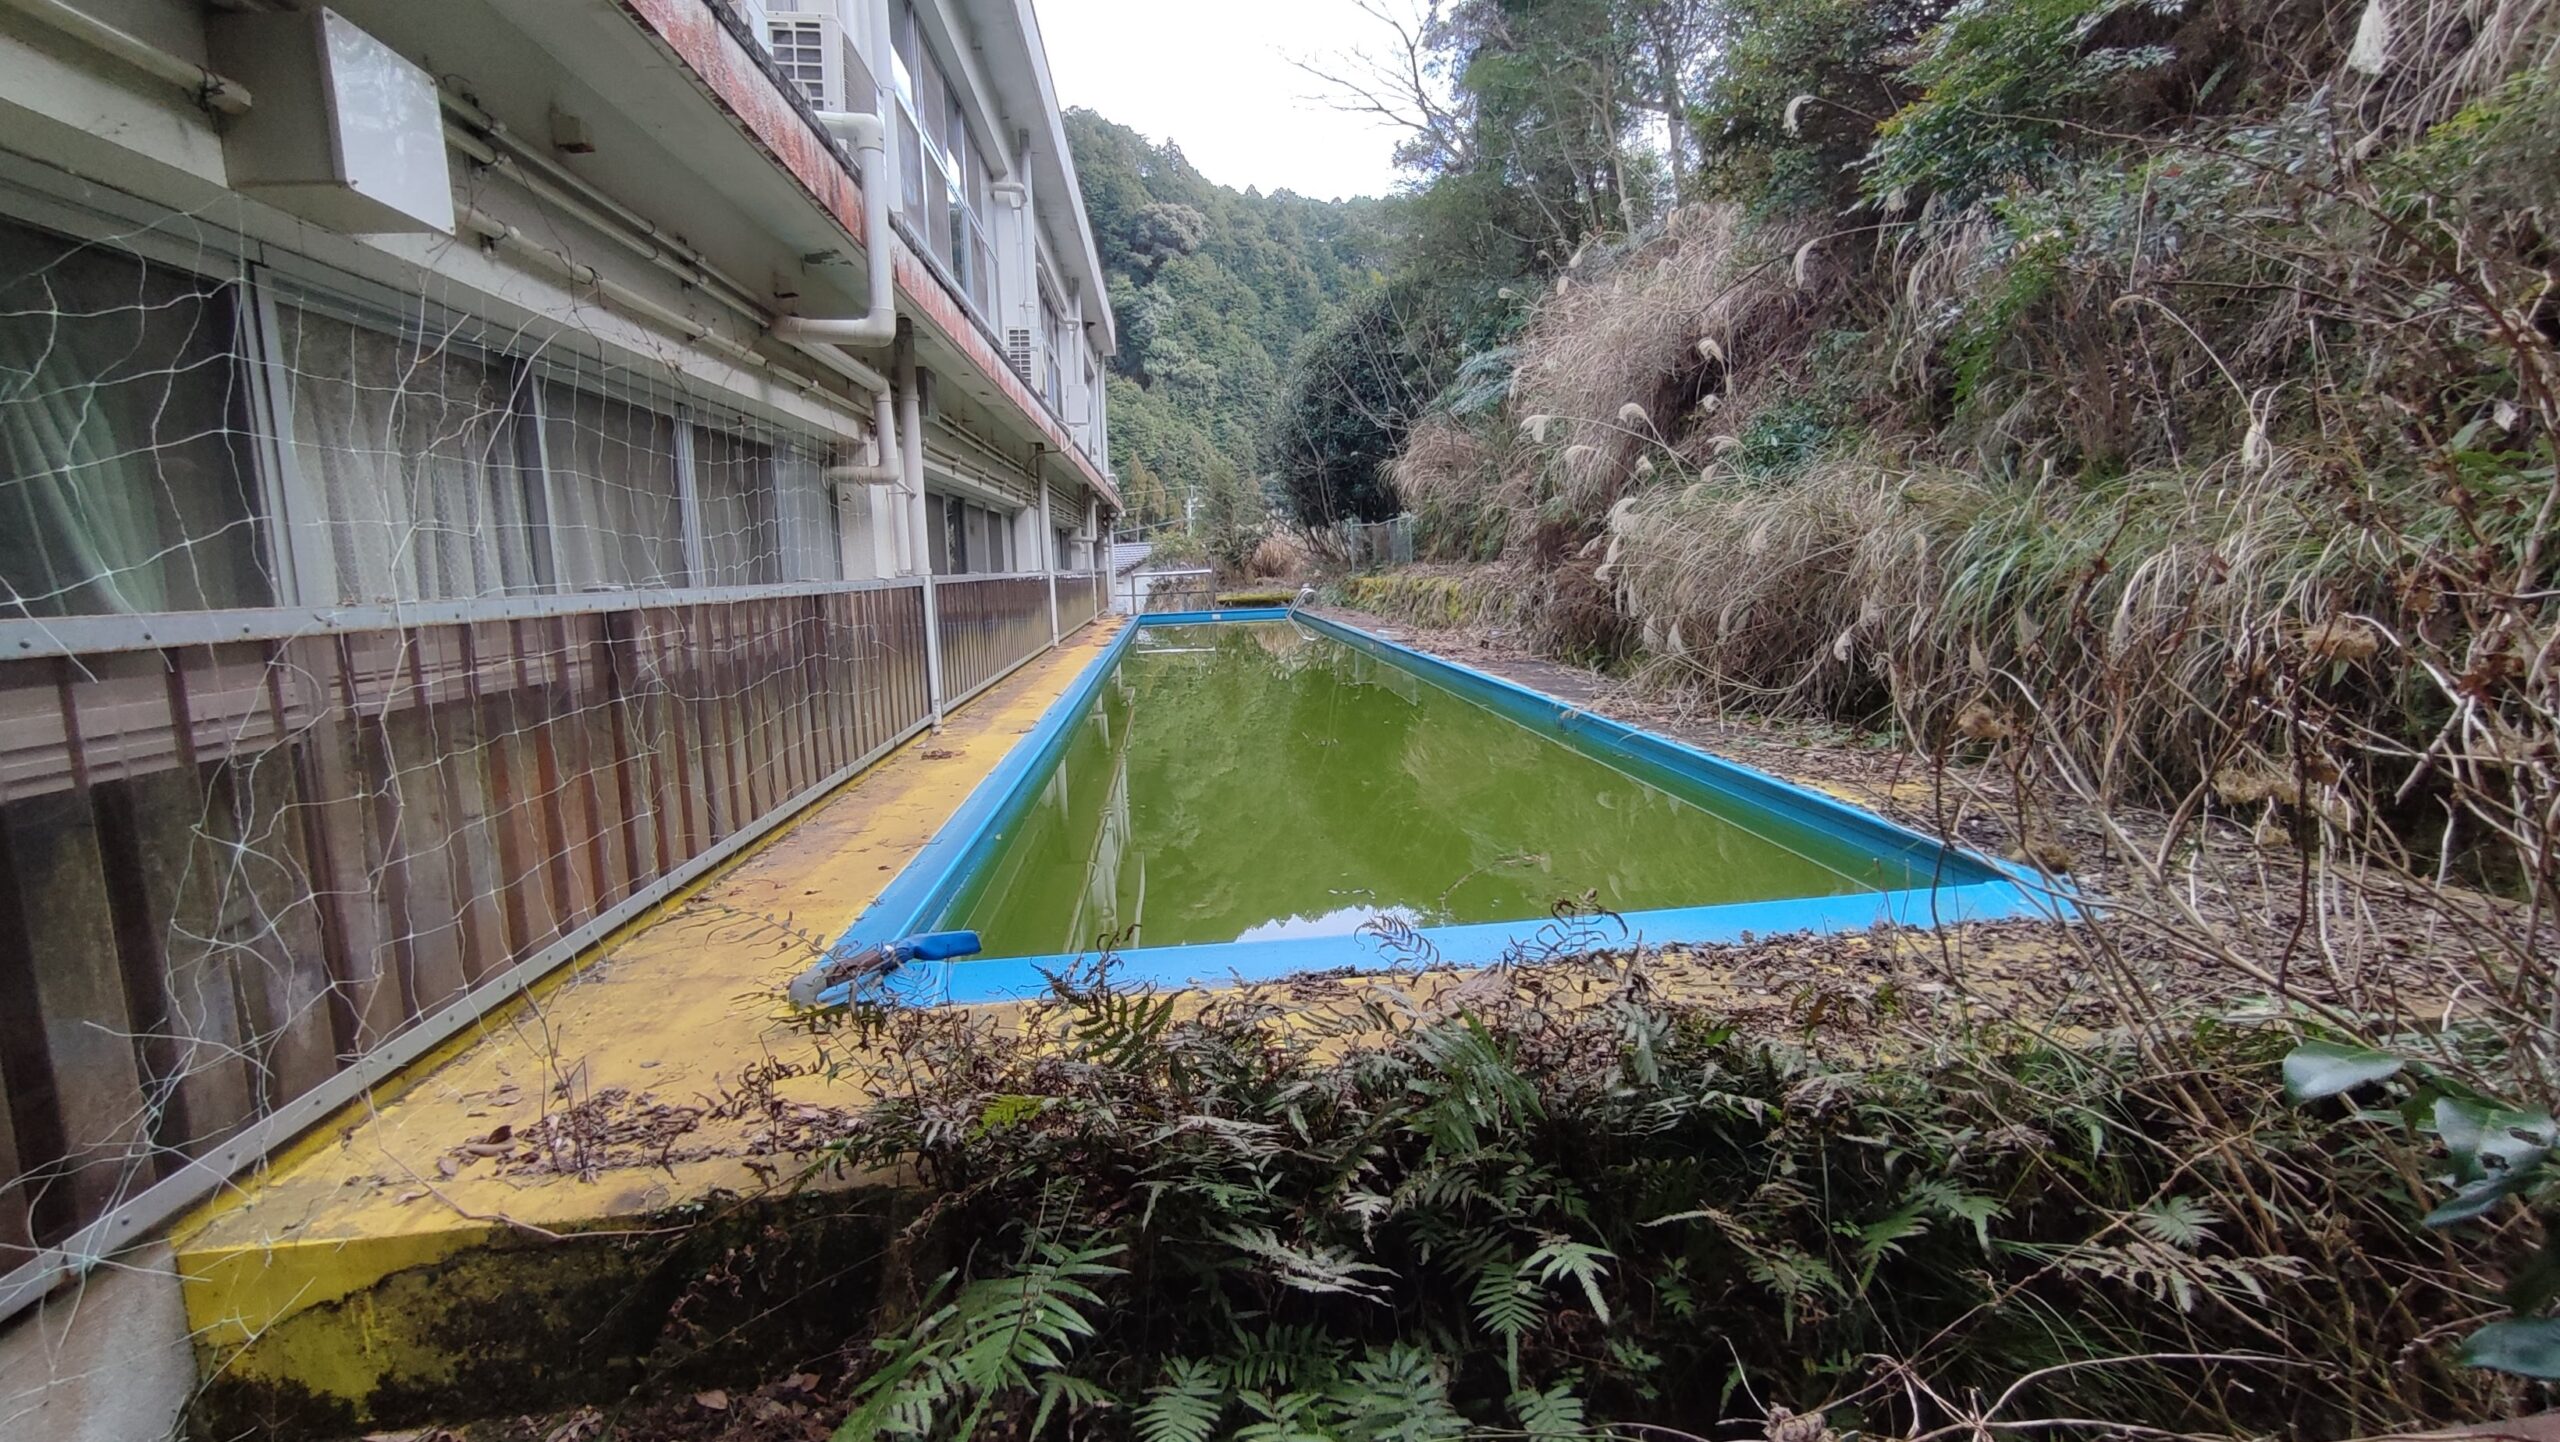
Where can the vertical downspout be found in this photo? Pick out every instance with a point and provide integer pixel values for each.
(911, 455)
(1048, 541)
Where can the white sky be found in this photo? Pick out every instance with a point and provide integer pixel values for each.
(1214, 76)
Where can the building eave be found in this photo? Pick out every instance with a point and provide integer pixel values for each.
(697, 39)
(1024, 60)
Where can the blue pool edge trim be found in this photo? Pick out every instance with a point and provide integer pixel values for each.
(913, 900)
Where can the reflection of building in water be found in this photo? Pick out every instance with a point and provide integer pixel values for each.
(1098, 908)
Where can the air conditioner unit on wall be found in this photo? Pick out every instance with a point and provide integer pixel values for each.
(1017, 350)
(811, 49)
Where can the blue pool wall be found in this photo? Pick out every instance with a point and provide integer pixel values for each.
(1966, 887)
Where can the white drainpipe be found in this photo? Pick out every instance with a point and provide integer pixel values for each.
(868, 135)
(911, 438)
(891, 469)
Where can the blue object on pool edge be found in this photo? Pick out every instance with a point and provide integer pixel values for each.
(832, 983)
(1965, 887)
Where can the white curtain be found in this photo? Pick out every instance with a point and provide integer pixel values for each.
(613, 484)
(412, 447)
(733, 483)
(124, 480)
(811, 550)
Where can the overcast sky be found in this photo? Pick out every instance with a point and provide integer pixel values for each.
(1215, 77)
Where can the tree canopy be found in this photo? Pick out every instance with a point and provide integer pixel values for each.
(1215, 289)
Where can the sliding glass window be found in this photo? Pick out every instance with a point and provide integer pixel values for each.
(944, 189)
(412, 445)
(126, 481)
(410, 460)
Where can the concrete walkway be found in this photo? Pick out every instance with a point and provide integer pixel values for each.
(638, 1084)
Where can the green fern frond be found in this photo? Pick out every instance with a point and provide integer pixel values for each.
(2180, 1222)
(1586, 1264)
(1554, 1415)
(1509, 1306)
(1278, 1358)
(1186, 1407)
(1316, 1268)
(1076, 1393)
(1395, 1394)
(1285, 1417)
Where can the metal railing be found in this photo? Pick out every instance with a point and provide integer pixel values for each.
(252, 862)
(986, 626)
(1080, 599)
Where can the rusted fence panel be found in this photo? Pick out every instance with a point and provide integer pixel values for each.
(986, 626)
(1081, 597)
(234, 874)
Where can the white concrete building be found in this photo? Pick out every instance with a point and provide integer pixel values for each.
(466, 468)
(984, 193)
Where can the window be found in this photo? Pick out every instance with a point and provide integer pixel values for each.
(943, 538)
(734, 496)
(967, 539)
(1053, 323)
(125, 479)
(805, 505)
(765, 509)
(944, 189)
(412, 448)
(619, 520)
(419, 466)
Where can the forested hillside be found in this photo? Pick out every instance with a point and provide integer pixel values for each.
(2040, 357)
(1214, 289)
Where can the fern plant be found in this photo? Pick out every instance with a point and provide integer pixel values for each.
(1227, 1217)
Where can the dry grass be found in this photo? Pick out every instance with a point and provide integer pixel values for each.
(1640, 353)
(1448, 474)
(1630, 371)
(1280, 556)
(2135, 617)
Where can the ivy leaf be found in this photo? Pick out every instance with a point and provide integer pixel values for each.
(2527, 1347)
(2474, 1200)
(2319, 1069)
(2485, 1139)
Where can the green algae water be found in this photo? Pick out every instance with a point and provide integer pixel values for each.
(1252, 781)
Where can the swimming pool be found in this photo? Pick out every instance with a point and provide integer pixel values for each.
(1239, 796)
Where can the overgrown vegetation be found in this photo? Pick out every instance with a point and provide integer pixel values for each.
(2143, 412)
(1556, 1200)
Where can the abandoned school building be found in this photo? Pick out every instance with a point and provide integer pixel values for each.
(467, 468)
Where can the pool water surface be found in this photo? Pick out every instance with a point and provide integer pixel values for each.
(1259, 780)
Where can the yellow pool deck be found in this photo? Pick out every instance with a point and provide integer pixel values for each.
(667, 1013)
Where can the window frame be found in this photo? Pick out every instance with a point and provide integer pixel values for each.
(944, 189)
(290, 527)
